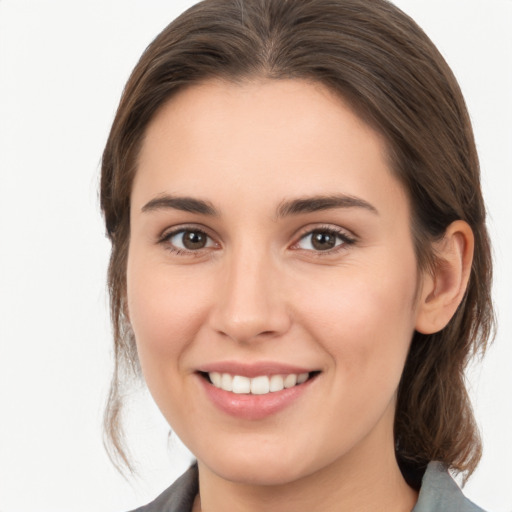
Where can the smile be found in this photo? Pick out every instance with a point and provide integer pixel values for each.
(254, 392)
(259, 385)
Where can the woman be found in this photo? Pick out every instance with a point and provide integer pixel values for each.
(300, 266)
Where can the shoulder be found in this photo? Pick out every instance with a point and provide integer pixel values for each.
(179, 497)
(440, 492)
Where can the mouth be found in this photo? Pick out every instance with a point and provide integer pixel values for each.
(259, 384)
(257, 390)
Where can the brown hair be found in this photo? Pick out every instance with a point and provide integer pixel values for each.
(379, 60)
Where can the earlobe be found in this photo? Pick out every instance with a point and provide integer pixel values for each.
(444, 287)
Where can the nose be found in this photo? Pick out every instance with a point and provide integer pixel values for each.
(250, 303)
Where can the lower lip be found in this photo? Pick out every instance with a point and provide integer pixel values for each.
(253, 407)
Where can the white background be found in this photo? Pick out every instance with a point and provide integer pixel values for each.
(63, 64)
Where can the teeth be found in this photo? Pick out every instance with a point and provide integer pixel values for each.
(226, 382)
(301, 378)
(260, 385)
(216, 378)
(276, 383)
(241, 384)
(290, 381)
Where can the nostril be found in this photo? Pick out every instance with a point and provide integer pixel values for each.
(267, 333)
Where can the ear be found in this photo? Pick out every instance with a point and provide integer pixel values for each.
(443, 288)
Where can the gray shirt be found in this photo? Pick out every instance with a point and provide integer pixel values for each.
(438, 493)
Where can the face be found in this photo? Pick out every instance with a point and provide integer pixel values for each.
(271, 279)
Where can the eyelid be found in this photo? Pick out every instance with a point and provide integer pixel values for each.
(344, 234)
(347, 237)
(168, 233)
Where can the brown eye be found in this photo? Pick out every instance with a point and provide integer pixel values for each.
(320, 240)
(189, 240)
(193, 240)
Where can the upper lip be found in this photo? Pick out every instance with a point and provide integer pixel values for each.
(253, 369)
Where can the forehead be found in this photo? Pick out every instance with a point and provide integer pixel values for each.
(262, 139)
(261, 108)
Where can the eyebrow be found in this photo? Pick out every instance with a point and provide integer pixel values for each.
(319, 203)
(285, 209)
(185, 204)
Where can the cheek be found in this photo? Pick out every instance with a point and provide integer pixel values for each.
(165, 313)
(365, 322)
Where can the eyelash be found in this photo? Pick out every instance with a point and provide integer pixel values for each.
(165, 239)
(339, 234)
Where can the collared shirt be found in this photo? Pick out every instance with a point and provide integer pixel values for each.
(438, 493)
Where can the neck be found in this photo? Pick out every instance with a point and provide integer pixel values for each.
(366, 480)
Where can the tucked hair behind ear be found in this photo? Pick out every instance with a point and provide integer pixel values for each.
(382, 63)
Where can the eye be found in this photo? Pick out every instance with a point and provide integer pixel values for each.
(188, 240)
(323, 240)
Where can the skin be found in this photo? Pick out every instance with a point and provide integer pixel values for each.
(260, 291)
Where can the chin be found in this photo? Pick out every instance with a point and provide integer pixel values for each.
(263, 468)
(270, 474)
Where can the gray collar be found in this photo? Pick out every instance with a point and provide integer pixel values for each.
(438, 493)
